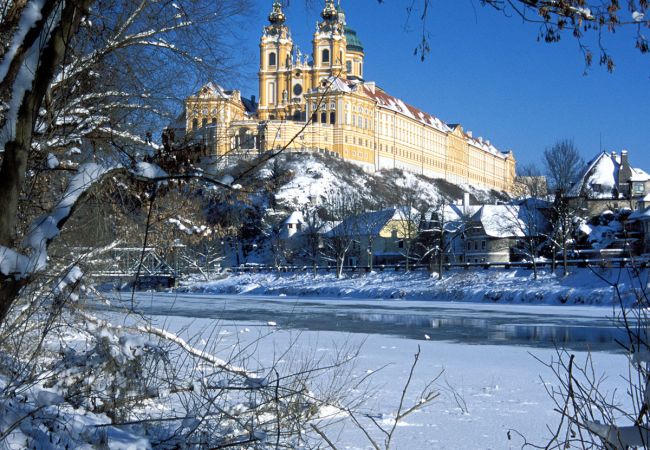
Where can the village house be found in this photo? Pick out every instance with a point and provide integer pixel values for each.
(498, 233)
(378, 237)
(609, 182)
(450, 220)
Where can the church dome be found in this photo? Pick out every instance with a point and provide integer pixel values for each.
(353, 42)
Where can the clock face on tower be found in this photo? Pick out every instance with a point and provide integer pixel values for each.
(297, 89)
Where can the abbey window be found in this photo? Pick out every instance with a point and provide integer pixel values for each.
(272, 59)
(325, 56)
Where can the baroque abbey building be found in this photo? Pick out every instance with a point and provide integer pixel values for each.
(323, 103)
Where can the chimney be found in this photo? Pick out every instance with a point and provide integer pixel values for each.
(624, 173)
(624, 161)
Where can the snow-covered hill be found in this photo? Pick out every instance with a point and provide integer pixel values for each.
(311, 178)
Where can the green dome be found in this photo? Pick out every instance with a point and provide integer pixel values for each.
(353, 42)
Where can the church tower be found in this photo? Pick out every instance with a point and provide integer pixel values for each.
(329, 52)
(276, 64)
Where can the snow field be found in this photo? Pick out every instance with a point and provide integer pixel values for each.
(487, 393)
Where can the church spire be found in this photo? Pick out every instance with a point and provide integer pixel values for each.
(277, 17)
(329, 12)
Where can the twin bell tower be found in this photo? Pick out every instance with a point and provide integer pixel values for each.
(286, 74)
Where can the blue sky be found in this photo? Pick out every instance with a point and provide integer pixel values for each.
(489, 73)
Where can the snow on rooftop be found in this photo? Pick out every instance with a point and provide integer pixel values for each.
(502, 221)
(295, 217)
(456, 213)
(395, 104)
(339, 85)
(600, 178)
(214, 90)
(485, 145)
(371, 223)
(639, 175)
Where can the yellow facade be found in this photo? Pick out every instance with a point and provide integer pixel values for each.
(323, 104)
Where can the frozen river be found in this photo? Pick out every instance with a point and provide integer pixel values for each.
(493, 383)
(577, 328)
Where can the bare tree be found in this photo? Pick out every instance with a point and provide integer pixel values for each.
(369, 224)
(411, 213)
(591, 416)
(533, 182)
(341, 209)
(84, 76)
(312, 234)
(433, 237)
(529, 225)
(564, 166)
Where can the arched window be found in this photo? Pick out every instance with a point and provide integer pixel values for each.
(333, 117)
(323, 117)
(195, 124)
(348, 67)
(204, 122)
(325, 56)
(272, 58)
(214, 121)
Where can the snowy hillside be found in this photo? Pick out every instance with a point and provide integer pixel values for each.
(310, 178)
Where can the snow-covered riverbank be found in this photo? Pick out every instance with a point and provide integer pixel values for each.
(583, 286)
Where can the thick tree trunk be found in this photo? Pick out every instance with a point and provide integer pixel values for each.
(16, 151)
